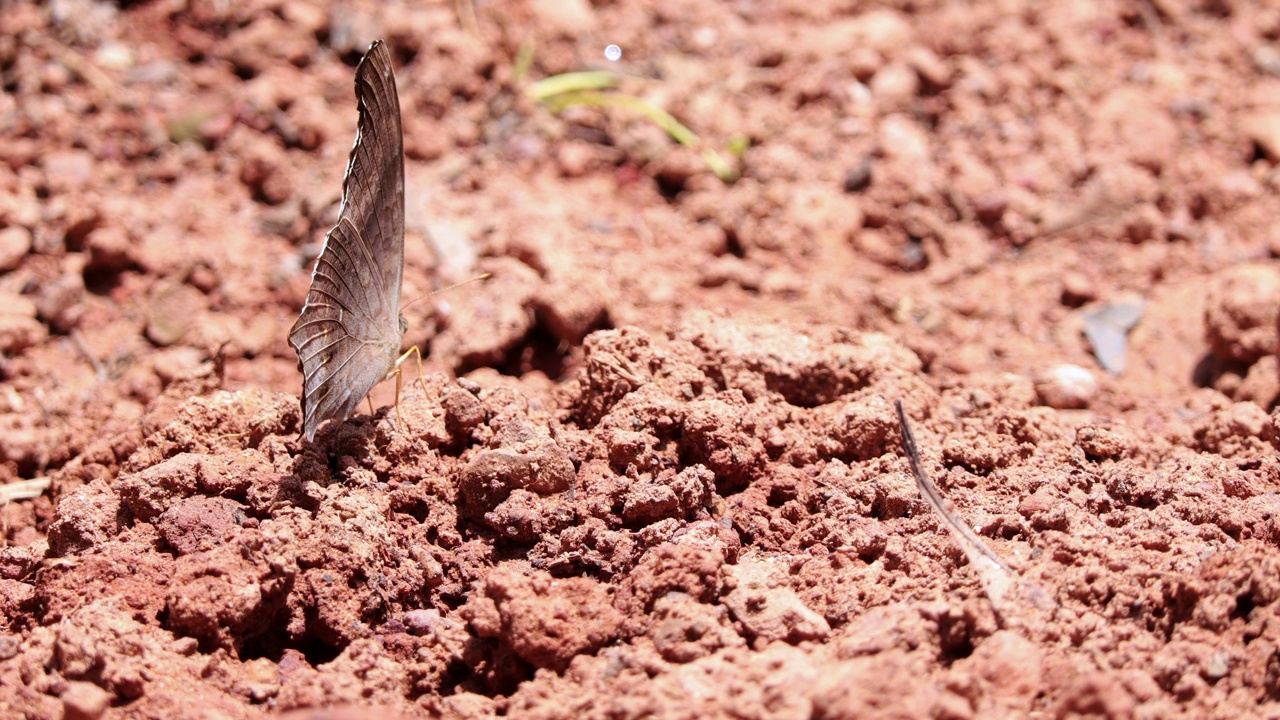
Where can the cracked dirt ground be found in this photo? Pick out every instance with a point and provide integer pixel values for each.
(656, 470)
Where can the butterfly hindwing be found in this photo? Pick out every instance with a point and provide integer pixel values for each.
(348, 334)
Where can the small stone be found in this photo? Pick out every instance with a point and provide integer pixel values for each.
(858, 178)
(885, 31)
(863, 62)
(913, 257)
(572, 18)
(1266, 58)
(61, 303)
(1140, 129)
(1242, 310)
(728, 269)
(1247, 419)
(1143, 224)
(54, 77)
(15, 243)
(67, 170)
(350, 30)
(185, 646)
(215, 129)
(19, 328)
(676, 168)
(1041, 501)
(462, 411)
(81, 219)
(905, 140)
(1067, 386)
(528, 459)
(990, 208)
(84, 701)
(570, 310)
(877, 245)
(197, 524)
(174, 308)
(109, 249)
(176, 363)
(261, 680)
(9, 646)
(310, 17)
(204, 278)
(114, 55)
(1216, 667)
(1078, 289)
(770, 609)
(422, 622)
(18, 153)
(573, 159)
(895, 85)
(1261, 383)
(1101, 443)
(1263, 129)
(261, 171)
(929, 67)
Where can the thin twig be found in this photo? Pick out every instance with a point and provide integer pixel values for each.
(466, 10)
(93, 361)
(23, 489)
(996, 577)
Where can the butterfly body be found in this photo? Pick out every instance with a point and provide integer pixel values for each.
(349, 332)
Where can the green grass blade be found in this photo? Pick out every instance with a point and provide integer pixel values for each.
(565, 83)
(584, 89)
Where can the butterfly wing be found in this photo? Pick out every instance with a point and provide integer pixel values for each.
(349, 331)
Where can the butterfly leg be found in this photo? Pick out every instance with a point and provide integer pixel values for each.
(397, 403)
(395, 370)
(417, 356)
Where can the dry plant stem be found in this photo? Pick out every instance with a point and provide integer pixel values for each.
(996, 577)
(78, 342)
(523, 62)
(466, 10)
(23, 489)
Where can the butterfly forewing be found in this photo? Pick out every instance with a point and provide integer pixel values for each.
(349, 332)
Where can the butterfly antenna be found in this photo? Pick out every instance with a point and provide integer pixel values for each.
(454, 286)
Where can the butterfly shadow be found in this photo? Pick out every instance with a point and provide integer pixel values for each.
(339, 447)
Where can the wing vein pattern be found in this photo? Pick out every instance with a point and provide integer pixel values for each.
(348, 334)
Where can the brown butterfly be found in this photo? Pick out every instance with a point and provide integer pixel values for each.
(348, 334)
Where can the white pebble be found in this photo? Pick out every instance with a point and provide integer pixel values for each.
(84, 701)
(1067, 386)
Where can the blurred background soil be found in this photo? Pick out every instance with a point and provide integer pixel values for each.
(652, 468)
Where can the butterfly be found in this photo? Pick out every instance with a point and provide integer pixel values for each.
(349, 331)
